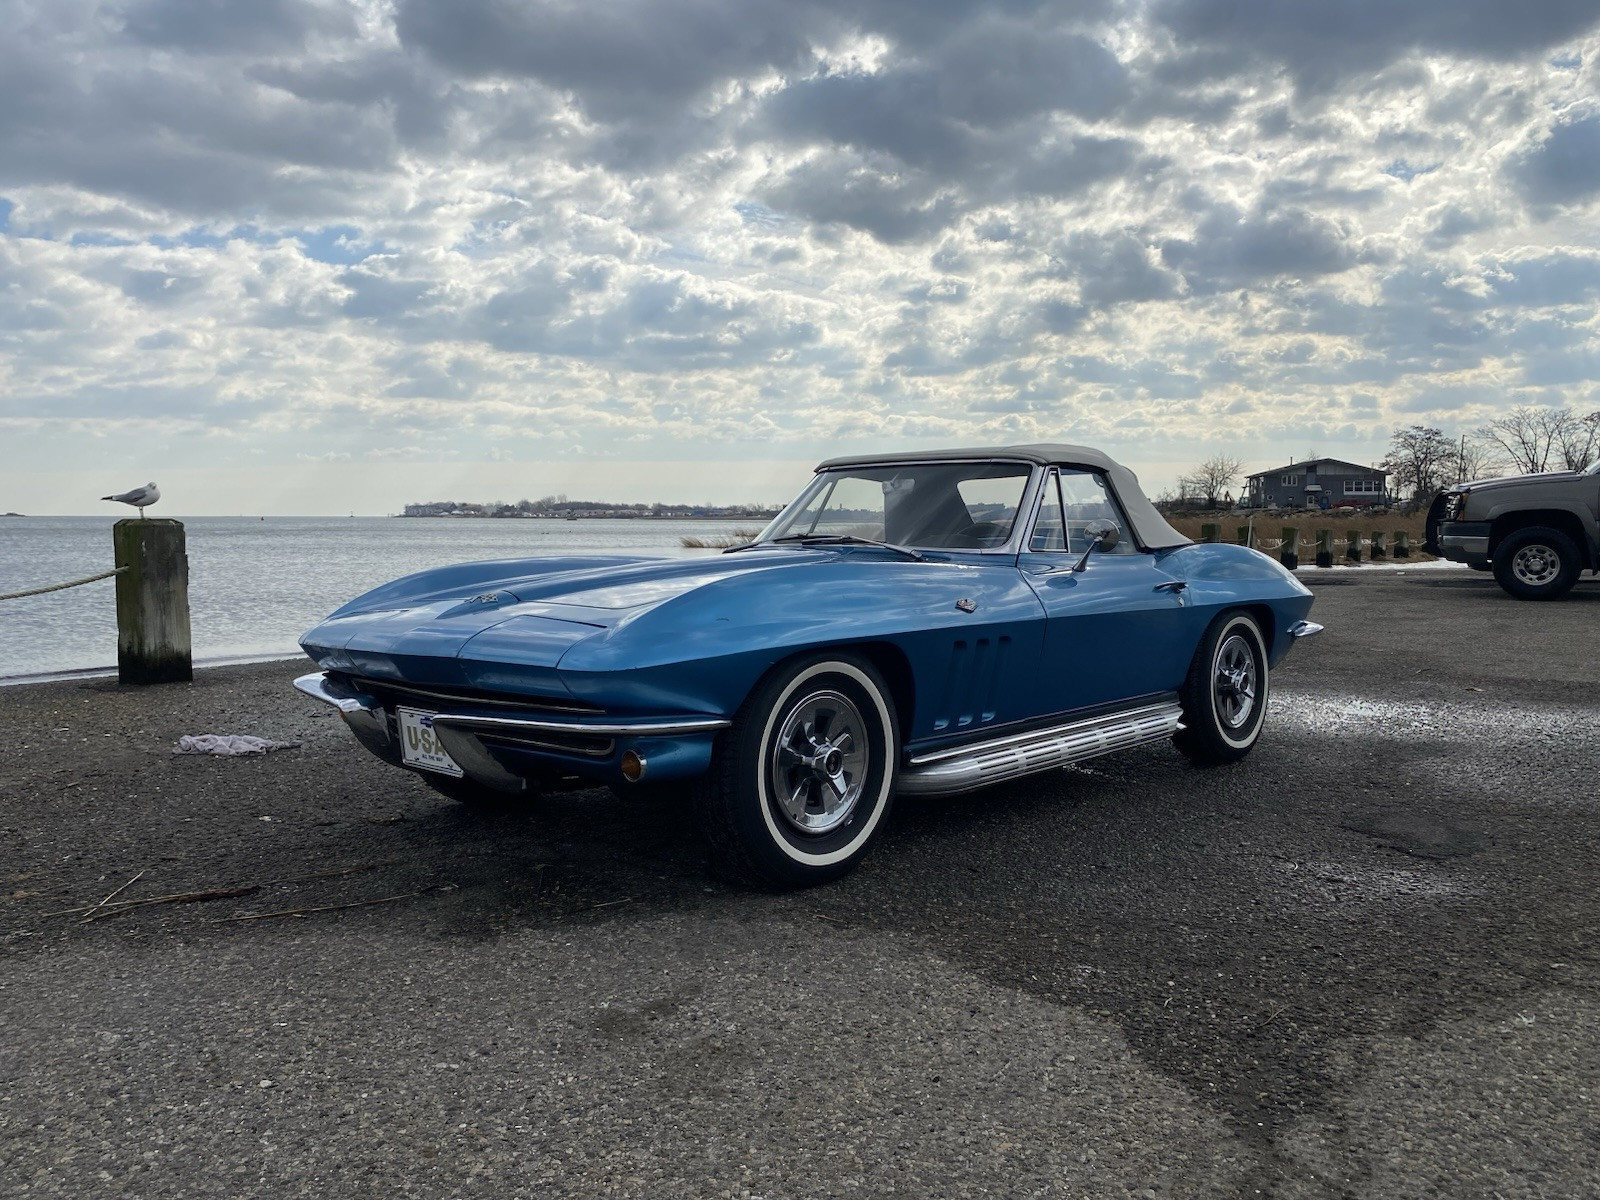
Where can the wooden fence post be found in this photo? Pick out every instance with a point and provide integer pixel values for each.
(1377, 547)
(1289, 555)
(1352, 548)
(1324, 547)
(1210, 532)
(152, 601)
(1247, 536)
(1402, 544)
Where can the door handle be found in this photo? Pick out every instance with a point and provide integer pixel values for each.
(1175, 586)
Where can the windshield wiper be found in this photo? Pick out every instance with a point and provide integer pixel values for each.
(848, 539)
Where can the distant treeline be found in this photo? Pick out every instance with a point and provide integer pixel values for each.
(560, 507)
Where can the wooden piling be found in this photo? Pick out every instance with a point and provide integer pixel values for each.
(1247, 536)
(1210, 532)
(1377, 550)
(1324, 547)
(1289, 555)
(152, 601)
(1402, 544)
(1352, 547)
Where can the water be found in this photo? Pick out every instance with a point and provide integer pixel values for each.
(256, 585)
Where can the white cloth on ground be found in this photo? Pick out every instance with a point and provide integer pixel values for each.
(232, 744)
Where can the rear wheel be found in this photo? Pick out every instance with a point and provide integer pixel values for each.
(1224, 696)
(803, 780)
(1536, 563)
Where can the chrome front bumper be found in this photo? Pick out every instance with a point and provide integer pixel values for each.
(461, 733)
(1304, 629)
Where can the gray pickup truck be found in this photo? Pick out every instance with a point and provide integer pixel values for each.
(1538, 533)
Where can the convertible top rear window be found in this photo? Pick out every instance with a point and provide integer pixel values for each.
(937, 506)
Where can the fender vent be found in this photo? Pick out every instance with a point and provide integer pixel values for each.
(972, 683)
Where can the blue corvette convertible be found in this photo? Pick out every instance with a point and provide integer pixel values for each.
(913, 623)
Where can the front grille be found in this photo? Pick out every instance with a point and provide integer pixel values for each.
(390, 693)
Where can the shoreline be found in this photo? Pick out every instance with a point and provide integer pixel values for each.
(73, 674)
(1305, 572)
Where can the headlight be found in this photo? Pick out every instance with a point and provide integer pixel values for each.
(1454, 505)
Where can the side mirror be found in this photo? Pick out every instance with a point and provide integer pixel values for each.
(1102, 535)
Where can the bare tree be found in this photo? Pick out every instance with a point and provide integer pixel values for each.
(1474, 457)
(1212, 477)
(1579, 439)
(1529, 436)
(1419, 458)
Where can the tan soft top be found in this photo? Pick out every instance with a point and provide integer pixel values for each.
(1150, 528)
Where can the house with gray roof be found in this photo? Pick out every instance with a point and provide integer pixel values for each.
(1318, 483)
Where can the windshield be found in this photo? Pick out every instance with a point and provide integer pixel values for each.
(940, 506)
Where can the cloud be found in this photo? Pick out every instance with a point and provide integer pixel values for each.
(744, 224)
(1231, 249)
(1563, 168)
(1324, 44)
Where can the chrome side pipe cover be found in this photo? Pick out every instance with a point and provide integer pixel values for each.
(968, 768)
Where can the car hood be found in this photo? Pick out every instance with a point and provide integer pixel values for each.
(528, 611)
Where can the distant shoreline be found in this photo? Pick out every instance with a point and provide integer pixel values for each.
(594, 514)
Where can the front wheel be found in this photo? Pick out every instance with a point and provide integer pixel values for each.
(1536, 563)
(804, 778)
(1224, 696)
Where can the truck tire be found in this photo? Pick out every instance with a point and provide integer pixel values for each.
(1536, 563)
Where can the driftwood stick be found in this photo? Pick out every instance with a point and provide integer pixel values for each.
(175, 898)
(301, 912)
(216, 893)
(116, 893)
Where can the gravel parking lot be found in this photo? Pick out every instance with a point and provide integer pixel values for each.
(1361, 963)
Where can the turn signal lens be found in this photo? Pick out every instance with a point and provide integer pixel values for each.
(632, 766)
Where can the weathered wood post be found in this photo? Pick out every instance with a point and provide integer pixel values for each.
(1210, 532)
(1352, 546)
(1289, 555)
(1324, 547)
(1378, 551)
(1402, 544)
(152, 601)
(1247, 536)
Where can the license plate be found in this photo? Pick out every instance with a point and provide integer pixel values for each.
(420, 746)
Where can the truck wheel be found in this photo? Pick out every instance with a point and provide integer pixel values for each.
(802, 781)
(1536, 563)
(1224, 696)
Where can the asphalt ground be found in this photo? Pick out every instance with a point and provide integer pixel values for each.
(1360, 963)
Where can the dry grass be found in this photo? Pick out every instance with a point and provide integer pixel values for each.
(1269, 527)
(719, 541)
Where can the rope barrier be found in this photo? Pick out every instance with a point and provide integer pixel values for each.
(56, 587)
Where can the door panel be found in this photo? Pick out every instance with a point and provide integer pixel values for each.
(1119, 628)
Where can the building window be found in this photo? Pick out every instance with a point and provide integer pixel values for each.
(1291, 480)
(1363, 487)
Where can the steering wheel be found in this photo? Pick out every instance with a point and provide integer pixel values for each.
(980, 535)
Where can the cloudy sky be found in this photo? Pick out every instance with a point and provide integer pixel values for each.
(319, 255)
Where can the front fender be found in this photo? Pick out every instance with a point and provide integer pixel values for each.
(703, 651)
(1222, 576)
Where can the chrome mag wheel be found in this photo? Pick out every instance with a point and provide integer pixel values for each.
(1234, 681)
(1224, 695)
(819, 762)
(801, 782)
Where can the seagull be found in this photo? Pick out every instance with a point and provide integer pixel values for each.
(141, 497)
